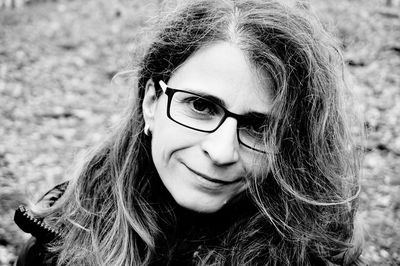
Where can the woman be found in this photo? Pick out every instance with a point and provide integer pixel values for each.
(236, 151)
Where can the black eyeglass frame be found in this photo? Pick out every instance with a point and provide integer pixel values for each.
(239, 118)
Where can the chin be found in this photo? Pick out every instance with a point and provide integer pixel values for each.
(199, 206)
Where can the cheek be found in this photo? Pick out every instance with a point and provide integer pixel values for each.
(162, 139)
(256, 166)
(253, 164)
(169, 137)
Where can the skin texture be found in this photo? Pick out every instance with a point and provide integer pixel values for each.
(185, 158)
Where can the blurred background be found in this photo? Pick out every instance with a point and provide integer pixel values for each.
(57, 59)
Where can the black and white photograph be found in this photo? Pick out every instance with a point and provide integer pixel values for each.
(199, 132)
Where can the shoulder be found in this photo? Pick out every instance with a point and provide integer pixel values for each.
(34, 251)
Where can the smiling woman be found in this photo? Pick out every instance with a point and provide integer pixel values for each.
(196, 141)
(235, 151)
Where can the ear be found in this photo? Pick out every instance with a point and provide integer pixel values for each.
(149, 103)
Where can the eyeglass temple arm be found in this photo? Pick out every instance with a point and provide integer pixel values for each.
(163, 85)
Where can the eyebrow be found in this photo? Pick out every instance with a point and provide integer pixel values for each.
(211, 98)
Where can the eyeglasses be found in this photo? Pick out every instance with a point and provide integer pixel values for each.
(203, 113)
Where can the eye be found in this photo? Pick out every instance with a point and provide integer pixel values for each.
(253, 128)
(256, 132)
(202, 106)
(256, 125)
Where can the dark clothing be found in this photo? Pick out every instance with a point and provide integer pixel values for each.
(184, 237)
(193, 231)
(34, 251)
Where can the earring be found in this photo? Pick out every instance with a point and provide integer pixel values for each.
(147, 131)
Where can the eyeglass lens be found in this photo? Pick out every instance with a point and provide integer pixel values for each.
(198, 113)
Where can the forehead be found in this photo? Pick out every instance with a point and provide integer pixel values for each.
(223, 70)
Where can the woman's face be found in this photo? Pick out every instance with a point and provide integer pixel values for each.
(203, 171)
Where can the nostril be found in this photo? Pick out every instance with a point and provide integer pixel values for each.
(221, 146)
(220, 153)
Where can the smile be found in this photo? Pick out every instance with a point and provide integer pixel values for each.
(214, 180)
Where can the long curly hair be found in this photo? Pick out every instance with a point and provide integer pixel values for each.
(305, 189)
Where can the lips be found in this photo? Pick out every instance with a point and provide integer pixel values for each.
(214, 180)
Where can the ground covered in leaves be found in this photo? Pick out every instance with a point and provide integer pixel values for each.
(56, 99)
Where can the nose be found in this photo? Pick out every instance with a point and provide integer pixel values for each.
(222, 145)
